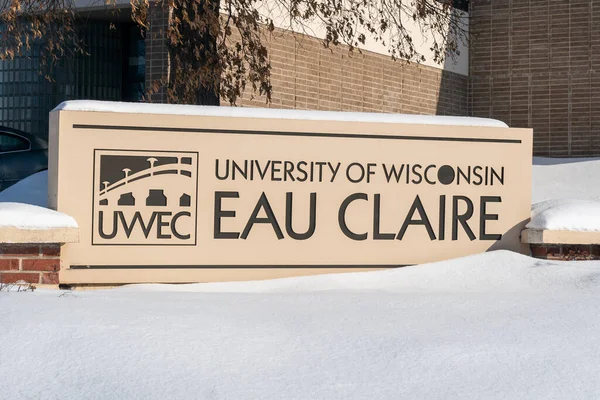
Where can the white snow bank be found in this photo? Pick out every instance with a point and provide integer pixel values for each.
(26, 216)
(565, 194)
(246, 112)
(31, 190)
(566, 214)
(495, 326)
(495, 271)
(564, 178)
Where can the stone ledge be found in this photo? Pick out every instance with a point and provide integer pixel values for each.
(535, 236)
(52, 235)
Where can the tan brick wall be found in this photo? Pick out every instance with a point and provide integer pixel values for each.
(305, 75)
(536, 64)
(32, 263)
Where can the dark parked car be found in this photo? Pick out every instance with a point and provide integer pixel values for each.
(21, 155)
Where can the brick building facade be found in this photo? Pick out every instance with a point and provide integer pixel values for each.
(307, 76)
(530, 63)
(536, 63)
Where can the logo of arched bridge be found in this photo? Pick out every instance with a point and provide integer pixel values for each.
(145, 197)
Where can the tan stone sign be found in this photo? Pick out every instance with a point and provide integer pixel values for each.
(184, 198)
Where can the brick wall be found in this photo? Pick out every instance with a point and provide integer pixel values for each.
(32, 263)
(566, 252)
(536, 64)
(305, 75)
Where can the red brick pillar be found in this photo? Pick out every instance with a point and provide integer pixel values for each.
(31, 263)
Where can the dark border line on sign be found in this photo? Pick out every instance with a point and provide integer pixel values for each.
(284, 133)
(233, 266)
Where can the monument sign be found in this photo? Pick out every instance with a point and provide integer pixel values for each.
(186, 194)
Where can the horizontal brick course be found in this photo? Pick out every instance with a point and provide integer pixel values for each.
(32, 263)
(41, 265)
(9, 264)
(20, 250)
(50, 250)
(12, 277)
(50, 278)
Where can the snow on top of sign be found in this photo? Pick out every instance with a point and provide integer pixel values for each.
(566, 215)
(26, 216)
(245, 112)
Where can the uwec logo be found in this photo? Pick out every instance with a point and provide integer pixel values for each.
(144, 197)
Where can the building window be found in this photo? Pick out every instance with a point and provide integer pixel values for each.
(461, 4)
(26, 97)
(134, 64)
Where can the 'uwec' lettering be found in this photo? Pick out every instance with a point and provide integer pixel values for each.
(159, 225)
(461, 213)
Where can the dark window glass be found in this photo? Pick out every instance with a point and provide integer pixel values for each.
(26, 97)
(134, 64)
(461, 4)
(10, 142)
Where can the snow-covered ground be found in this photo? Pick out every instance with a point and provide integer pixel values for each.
(566, 215)
(565, 194)
(565, 178)
(492, 326)
(496, 326)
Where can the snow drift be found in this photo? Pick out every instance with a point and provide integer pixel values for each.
(566, 215)
(31, 190)
(494, 326)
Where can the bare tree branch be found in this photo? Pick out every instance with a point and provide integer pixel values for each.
(218, 47)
